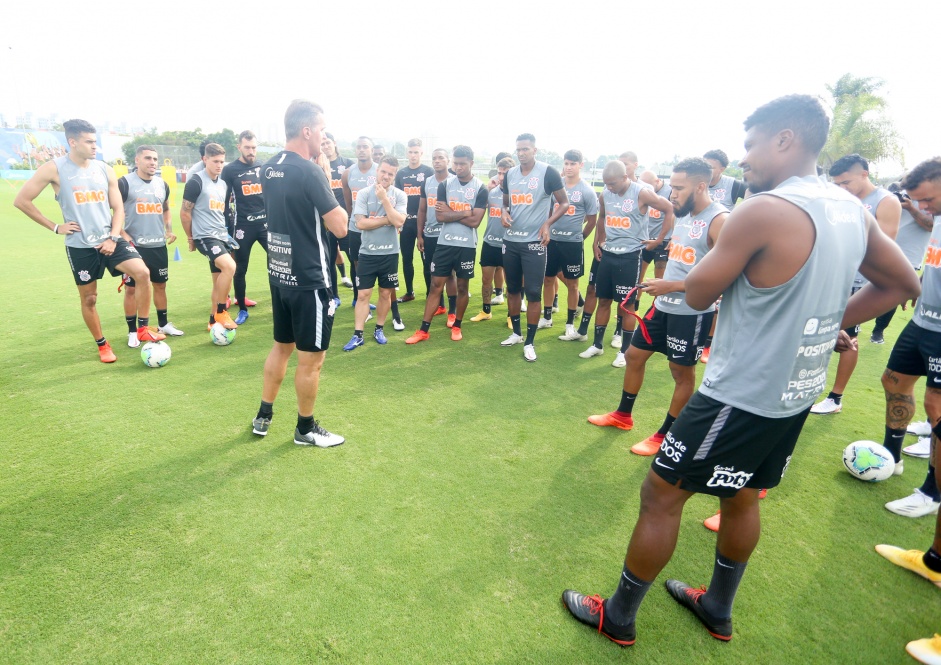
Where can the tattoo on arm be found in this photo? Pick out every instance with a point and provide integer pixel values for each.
(188, 206)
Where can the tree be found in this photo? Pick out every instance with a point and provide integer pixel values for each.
(859, 122)
(227, 139)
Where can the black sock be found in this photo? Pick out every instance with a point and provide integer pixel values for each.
(583, 326)
(667, 424)
(617, 327)
(531, 329)
(378, 327)
(893, 441)
(708, 343)
(487, 308)
(162, 317)
(452, 304)
(932, 560)
(497, 292)
(441, 302)
(212, 319)
(131, 323)
(627, 402)
(358, 333)
(547, 313)
(626, 336)
(395, 311)
(143, 321)
(599, 336)
(515, 322)
(265, 410)
(220, 307)
(570, 317)
(836, 397)
(621, 607)
(456, 324)
(581, 301)
(425, 326)
(726, 576)
(930, 486)
(342, 269)
(305, 424)
(101, 342)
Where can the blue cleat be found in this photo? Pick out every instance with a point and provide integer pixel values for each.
(371, 307)
(355, 341)
(380, 337)
(337, 302)
(242, 316)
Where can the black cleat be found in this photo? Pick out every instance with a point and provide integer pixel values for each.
(688, 597)
(877, 337)
(590, 611)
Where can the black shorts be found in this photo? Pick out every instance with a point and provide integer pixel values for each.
(343, 243)
(593, 271)
(355, 240)
(303, 317)
(88, 264)
(431, 244)
(853, 332)
(680, 337)
(524, 263)
(917, 352)
(212, 248)
(381, 267)
(448, 258)
(490, 256)
(617, 274)
(716, 449)
(249, 233)
(658, 255)
(157, 260)
(567, 258)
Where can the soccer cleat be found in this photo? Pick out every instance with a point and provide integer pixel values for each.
(712, 523)
(899, 468)
(483, 316)
(260, 426)
(149, 334)
(612, 420)
(544, 323)
(440, 311)
(498, 300)
(372, 308)
(132, 340)
(509, 323)
(369, 316)
(512, 340)
(380, 337)
(927, 650)
(918, 504)
(619, 360)
(318, 436)
(408, 297)
(419, 336)
(555, 309)
(106, 354)
(921, 428)
(456, 334)
(171, 330)
(877, 338)
(249, 302)
(591, 352)
(241, 317)
(451, 319)
(347, 282)
(228, 302)
(572, 335)
(578, 312)
(529, 353)
(616, 342)
(354, 342)
(226, 321)
(648, 446)
(912, 560)
(337, 302)
(921, 449)
(826, 407)
(688, 597)
(590, 611)
(523, 304)
(704, 358)
(398, 324)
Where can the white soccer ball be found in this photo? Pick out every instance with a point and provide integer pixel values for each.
(220, 335)
(869, 461)
(155, 354)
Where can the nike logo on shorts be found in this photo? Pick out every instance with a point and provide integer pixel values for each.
(659, 463)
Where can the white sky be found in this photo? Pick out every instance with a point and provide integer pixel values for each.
(660, 79)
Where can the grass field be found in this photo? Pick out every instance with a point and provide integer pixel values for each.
(140, 521)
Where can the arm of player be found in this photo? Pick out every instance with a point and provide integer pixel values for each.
(652, 200)
(923, 219)
(347, 193)
(590, 222)
(481, 205)
(45, 175)
(563, 200)
(365, 223)
(657, 287)
(507, 220)
(422, 217)
(117, 214)
(186, 220)
(600, 233)
(167, 218)
(889, 214)
(228, 211)
(337, 222)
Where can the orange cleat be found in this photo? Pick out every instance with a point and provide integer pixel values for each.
(704, 358)
(250, 303)
(440, 311)
(712, 523)
(149, 334)
(106, 354)
(648, 446)
(419, 336)
(612, 419)
(456, 335)
(451, 319)
(226, 321)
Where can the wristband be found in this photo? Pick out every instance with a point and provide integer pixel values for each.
(55, 229)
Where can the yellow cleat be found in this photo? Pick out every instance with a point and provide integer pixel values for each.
(912, 560)
(483, 316)
(926, 651)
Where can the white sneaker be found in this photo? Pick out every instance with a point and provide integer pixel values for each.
(619, 361)
(918, 504)
(318, 437)
(571, 335)
(899, 468)
(132, 340)
(497, 300)
(826, 407)
(398, 324)
(170, 329)
(369, 316)
(616, 342)
(578, 312)
(544, 323)
(921, 428)
(347, 282)
(555, 309)
(591, 352)
(529, 352)
(512, 339)
(523, 305)
(921, 449)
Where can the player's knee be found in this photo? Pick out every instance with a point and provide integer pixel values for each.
(683, 375)
(933, 404)
(658, 497)
(461, 288)
(89, 300)
(533, 295)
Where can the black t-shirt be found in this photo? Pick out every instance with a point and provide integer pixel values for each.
(411, 181)
(297, 193)
(194, 187)
(244, 183)
(337, 167)
(483, 194)
(124, 188)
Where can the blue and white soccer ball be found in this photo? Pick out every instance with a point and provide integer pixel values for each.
(220, 335)
(869, 461)
(155, 354)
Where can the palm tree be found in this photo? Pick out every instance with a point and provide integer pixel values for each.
(859, 122)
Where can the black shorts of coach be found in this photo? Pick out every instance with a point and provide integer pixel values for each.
(490, 256)
(88, 264)
(680, 337)
(567, 258)
(658, 254)
(303, 317)
(383, 268)
(617, 274)
(157, 261)
(717, 449)
(449, 258)
(212, 248)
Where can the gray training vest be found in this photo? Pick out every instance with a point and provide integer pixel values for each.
(772, 345)
(690, 243)
(493, 234)
(358, 180)
(83, 197)
(209, 210)
(385, 239)
(928, 308)
(722, 193)
(143, 210)
(583, 201)
(870, 203)
(460, 197)
(432, 227)
(912, 238)
(655, 217)
(529, 203)
(625, 227)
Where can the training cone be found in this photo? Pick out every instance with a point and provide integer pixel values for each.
(176, 255)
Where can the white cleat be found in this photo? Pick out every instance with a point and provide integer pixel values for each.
(591, 352)
(523, 305)
(544, 323)
(921, 449)
(319, 437)
(826, 407)
(529, 352)
(398, 324)
(899, 468)
(347, 282)
(616, 342)
(369, 316)
(571, 335)
(619, 361)
(555, 309)
(918, 504)
(170, 329)
(512, 340)
(921, 428)
(132, 340)
(578, 312)
(497, 300)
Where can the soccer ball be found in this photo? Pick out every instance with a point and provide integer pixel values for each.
(220, 335)
(869, 461)
(155, 354)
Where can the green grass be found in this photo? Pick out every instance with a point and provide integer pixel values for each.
(140, 521)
